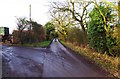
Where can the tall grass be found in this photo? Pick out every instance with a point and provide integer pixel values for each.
(108, 63)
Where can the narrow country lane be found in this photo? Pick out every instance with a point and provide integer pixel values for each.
(55, 61)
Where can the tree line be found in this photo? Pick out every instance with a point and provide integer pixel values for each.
(28, 32)
(93, 24)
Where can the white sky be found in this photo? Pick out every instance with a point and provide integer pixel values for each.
(10, 9)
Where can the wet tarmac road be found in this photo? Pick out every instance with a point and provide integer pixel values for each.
(56, 61)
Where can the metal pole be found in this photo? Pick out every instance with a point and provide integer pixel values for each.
(30, 11)
(30, 15)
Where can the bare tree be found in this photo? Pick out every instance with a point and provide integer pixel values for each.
(78, 11)
(21, 23)
(61, 20)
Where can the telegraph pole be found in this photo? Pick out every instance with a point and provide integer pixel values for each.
(30, 16)
(30, 12)
(30, 24)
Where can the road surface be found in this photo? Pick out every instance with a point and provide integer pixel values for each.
(55, 61)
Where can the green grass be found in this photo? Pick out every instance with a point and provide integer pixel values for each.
(62, 42)
(44, 44)
(40, 44)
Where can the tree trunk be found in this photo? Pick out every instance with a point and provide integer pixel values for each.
(84, 35)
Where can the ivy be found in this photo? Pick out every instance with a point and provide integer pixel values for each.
(99, 39)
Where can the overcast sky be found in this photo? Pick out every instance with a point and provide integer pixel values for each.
(10, 9)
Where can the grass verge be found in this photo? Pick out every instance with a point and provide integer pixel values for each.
(39, 44)
(108, 63)
(62, 42)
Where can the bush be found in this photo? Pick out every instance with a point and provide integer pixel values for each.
(100, 39)
(75, 35)
(116, 50)
(116, 35)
